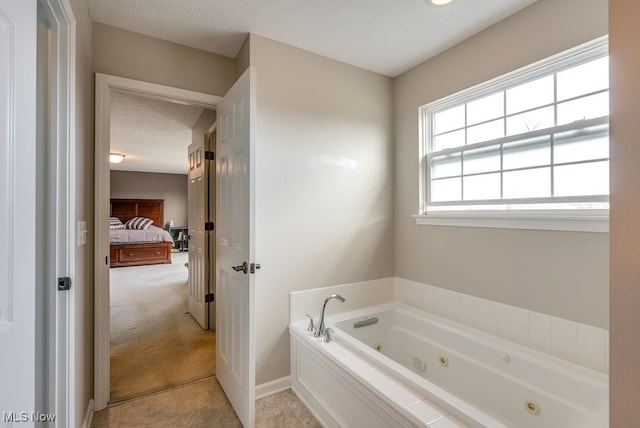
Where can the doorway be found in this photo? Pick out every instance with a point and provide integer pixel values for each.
(106, 86)
(155, 341)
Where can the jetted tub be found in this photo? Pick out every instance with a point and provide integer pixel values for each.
(468, 376)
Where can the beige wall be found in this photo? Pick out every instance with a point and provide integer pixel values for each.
(559, 273)
(206, 119)
(625, 212)
(242, 59)
(324, 162)
(83, 285)
(149, 185)
(124, 53)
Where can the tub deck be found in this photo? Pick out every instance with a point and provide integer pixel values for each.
(511, 385)
(330, 381)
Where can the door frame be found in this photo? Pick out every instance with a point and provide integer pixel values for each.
(105, 85)
(58, 390)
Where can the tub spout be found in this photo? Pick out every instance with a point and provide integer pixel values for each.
(320, 330)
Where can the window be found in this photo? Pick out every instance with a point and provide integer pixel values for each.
(534, 142)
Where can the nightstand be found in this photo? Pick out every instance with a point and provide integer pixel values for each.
(180, 235)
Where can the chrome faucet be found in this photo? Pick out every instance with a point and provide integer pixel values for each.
(320, 330)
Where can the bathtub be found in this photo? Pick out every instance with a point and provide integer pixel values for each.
(411, 368)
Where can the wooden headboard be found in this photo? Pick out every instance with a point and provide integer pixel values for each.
(126, 209)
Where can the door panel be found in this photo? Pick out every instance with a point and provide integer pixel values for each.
(17, 191)
(235, 347)
(211, 241)
(198, 196)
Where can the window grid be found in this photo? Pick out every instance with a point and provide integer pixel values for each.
(552, 132)
(507, 116)
(601, 124)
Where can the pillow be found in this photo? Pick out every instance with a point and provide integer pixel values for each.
(115, 223)
(138, 223)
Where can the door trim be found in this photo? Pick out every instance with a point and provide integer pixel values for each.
(105, 85)
(60, 329)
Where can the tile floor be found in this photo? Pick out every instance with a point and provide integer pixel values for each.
(203, 404)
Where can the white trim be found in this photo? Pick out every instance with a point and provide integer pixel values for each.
(63, 200)
(105, 85)
(583, 53)
(569, 58)
(560, 220)
(88, 415)
(273, 387)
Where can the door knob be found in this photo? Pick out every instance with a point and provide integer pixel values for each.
(244, 268)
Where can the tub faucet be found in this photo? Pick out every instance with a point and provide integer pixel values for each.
(320, 330)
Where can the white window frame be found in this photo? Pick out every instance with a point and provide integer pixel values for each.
(554, 216)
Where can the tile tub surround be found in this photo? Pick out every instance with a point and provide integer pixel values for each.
(578, 343)
(357, 295)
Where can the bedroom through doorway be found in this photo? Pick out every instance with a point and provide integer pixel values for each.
(154, 342)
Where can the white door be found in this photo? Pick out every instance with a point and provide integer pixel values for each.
(17, 215)
(235, 293)
(211, 260)
(198, 197)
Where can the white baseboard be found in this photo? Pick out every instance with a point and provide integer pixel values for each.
(273, 387)
(88, 415)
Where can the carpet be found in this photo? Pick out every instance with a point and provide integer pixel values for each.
(155, 343)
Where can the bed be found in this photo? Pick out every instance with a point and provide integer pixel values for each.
(139, 247)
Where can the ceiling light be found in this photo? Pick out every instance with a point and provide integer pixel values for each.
(438, 3)
(116, 157)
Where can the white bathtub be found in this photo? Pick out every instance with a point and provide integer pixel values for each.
(468, 377)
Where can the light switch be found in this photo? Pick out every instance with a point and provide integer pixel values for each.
(82, 233)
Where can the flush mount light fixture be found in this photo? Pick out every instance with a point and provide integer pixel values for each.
(438, 3)
(116, 157)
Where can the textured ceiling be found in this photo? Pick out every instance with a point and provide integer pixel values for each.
(153, 134)
(385, 36)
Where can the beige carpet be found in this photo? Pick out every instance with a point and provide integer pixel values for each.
(155, 343)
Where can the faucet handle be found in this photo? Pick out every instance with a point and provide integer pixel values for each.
(327, 337)
(311, 326)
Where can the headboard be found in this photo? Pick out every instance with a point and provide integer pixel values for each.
(126, 209)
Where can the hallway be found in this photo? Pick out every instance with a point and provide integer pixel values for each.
(202, 404)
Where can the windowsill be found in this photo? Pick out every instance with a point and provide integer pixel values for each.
(558, 220)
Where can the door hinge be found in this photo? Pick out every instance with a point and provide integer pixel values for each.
(64, 283)
(208, 298)
(209, 155)
(209, 225)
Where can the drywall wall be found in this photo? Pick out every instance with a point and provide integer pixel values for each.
(559, 273)
(625, 211)
(126, 54)
(242, 59)
(324, 168)
(82, 318)
(202, 125)
(150, 185)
